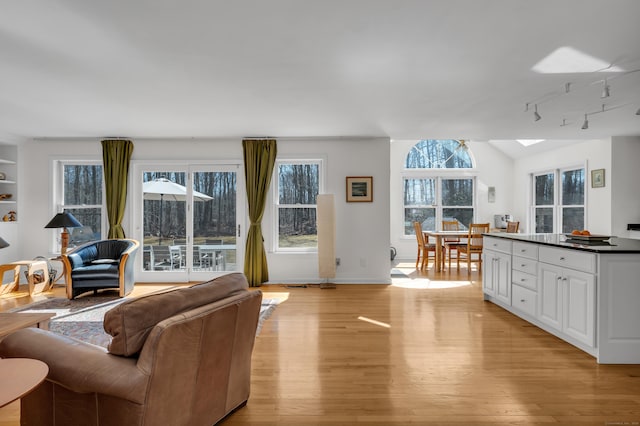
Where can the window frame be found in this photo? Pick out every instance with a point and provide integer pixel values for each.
(57, 201)
(438, 174)
(276, 200)
(558, 205)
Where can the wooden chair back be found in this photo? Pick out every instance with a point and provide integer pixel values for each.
(474, 242)
(417, 226)
(450, 225)
(512, 227)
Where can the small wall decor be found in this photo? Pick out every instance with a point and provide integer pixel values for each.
(359, 189)
(597, 178)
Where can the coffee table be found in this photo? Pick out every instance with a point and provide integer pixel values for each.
(12, 321)
(18, 376)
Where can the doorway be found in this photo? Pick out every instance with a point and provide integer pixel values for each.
(189, 220)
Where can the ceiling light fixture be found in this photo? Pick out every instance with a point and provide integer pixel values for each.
(605, 89)
(585, 125)
(536, 116)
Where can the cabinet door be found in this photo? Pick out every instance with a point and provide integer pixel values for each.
(579, 305)
(488, 275)
(502, 275)
(550, 295)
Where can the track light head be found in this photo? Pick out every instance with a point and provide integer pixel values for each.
(605, 90)
(536, 116)
(585, 125)
(638, 111)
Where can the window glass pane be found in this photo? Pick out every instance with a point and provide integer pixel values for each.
(82, 185)
(438, 154)
(544, 190)
(298, 183)
(572, 218)
(426, 216)
(419, 192)
(457, 192)
(544, 220)
(464, 216)
(297, 227)
(573, 187)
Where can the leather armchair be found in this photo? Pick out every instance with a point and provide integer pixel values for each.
(180, 357)
(100, 265)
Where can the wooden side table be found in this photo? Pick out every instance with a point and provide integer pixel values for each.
(33, 266)
(19, 376)
(11, 285)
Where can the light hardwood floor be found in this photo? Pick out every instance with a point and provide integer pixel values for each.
(426, 350)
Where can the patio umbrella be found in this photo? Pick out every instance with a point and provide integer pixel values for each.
(163, 189)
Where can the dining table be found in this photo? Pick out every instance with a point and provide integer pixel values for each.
(439, 236)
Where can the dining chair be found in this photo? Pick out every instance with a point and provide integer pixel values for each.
(473, 246)
(164, 258)
(424, 248)
(512, 227)
(450, 244)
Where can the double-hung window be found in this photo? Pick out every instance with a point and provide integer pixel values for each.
(298, 183)
(79, 192)
(559, 200)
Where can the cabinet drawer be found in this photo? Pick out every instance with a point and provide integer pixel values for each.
(573, 259)
(524, 300)
(497, 244)
(525, 280)
(527, 266)
(525, 250)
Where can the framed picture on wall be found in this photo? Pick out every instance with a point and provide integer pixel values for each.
(597, 178)
(359, 189)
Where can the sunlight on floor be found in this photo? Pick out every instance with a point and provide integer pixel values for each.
(374, 322)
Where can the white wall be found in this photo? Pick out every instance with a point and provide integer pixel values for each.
(493, 168)
(362, 228)
(592, 154)
(623, 179)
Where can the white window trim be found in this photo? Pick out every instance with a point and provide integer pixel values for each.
(275, 194)
(557, 192)
(57, 205)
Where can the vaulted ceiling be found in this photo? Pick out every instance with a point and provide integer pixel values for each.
(402, 69)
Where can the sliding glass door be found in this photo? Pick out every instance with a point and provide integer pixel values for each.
(189, 222)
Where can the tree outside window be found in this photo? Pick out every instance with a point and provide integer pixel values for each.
(431, 194)
(298, 185)
(82, 197)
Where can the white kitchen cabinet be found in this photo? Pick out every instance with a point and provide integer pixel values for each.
(567, 301)
(496, 266)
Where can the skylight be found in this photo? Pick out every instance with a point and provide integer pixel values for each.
(566, 59)
(529, 142)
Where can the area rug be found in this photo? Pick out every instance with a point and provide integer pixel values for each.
(82, 318)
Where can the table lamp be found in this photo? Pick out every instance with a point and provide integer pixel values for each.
(64, 220)
(3, 243)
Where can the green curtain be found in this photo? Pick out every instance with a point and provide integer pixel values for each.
(116, 156)
(259, 160)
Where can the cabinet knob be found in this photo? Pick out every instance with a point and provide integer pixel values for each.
(522, 280)
(522, 266)
(522, 300)
(562, 258)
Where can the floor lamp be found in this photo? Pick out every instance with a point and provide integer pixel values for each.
(64, 220)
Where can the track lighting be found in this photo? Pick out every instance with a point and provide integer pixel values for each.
(638, 111)
(536, 116)
(605, 89)
(585, 125)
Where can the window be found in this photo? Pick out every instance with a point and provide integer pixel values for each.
(81, 195)
(560, 207)
(298, 185)
(432, 194)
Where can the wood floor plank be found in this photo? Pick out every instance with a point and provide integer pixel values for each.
(427, 350)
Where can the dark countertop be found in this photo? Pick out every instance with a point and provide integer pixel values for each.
(612, 245)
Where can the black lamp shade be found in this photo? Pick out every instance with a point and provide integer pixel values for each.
(3, 243)
(63, 220)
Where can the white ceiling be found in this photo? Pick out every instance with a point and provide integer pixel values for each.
(402, 69)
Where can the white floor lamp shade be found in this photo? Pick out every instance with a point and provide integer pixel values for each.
(326, 236)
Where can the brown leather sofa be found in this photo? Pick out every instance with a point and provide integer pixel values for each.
(181, 357)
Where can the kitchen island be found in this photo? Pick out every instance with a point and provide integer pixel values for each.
(584, 292)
